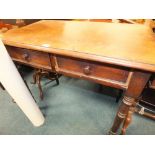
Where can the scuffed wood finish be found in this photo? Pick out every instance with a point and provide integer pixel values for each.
(130, 45)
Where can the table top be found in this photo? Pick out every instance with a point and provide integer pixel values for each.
(130, 45)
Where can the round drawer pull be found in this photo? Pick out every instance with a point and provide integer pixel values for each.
(26, 56)
(86, 70)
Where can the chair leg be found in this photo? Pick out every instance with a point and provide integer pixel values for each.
(39, 86)
(37, 76)
(34, 78)
(53, 76)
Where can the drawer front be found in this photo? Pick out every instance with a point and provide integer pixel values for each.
(30, 57)
(91, 70)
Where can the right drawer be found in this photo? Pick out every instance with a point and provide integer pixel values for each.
(91, 70)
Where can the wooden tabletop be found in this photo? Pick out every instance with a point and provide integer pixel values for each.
(131, 45)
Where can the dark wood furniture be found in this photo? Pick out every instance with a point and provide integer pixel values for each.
(112, 54)
(39, 74)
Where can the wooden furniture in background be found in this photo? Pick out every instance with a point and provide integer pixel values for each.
(20, 22)
(112, 54)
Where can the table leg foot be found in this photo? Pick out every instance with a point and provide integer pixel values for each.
(126, 122)
(123, 114)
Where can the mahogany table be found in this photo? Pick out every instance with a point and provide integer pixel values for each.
(113, 54)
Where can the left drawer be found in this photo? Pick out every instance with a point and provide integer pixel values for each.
(33, 58)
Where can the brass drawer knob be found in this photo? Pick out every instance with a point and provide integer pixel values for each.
(26, 56)
(87, 70)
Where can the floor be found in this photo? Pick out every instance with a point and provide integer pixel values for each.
(75, 107)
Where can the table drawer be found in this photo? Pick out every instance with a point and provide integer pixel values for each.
(92, 70)
(30, 57)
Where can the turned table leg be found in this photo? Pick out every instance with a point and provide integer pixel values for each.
(121, 114)
(130, 99)
(127, 120)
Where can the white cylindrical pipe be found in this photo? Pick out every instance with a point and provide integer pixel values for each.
(15, 86)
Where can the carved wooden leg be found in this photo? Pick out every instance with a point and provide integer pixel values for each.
(126, 123)
(39, 86)
(127, 120)
(34, 78)
(37, 76)
(135, 88)
(53, 76)
(37, 79)
(122, 113)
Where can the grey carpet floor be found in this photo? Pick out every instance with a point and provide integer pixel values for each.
(75, 107)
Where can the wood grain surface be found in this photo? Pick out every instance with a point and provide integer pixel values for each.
(130, 45)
